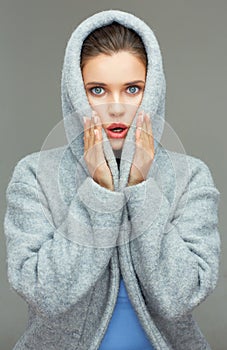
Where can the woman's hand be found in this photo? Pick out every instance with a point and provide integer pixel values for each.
(144, 153)
(93, 152)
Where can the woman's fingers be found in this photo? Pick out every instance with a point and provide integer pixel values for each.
(89, 132)
(139, 126)
(98, 128)
(92, 134)
(93, 152)
(86, 134)
(149, 131)
(93, 137)
(144, 129)
(146, 123)
(149, 128)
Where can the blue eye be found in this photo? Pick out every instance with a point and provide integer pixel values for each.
(97, 89)
(132, 88)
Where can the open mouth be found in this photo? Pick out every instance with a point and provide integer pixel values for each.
(117, 133)
(117, 130)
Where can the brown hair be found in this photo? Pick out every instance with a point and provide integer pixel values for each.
(111, 39)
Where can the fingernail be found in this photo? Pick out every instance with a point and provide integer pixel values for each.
(84, 119)
(94, 115)
(141, 114)
(97, 134)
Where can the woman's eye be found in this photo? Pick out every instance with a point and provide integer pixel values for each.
(133, 89)
(96, 90)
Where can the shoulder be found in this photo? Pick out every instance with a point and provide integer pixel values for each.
(26, 169)
(200, 173)
(192, 170)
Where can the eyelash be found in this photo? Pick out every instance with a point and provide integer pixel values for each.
(138, 87)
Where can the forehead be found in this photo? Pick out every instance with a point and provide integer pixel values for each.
(119, 66)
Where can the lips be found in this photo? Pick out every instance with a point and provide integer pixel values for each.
(117, 130)
(117, 125)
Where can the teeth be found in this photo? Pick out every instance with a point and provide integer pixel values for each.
(117, 130)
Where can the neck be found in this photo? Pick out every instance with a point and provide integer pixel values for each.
(117, 153)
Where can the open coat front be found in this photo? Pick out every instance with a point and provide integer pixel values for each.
(68, 238)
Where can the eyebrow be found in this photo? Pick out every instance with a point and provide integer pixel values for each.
(130, 82)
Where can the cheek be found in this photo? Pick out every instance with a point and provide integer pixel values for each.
(94, 102)
(102, 113)
(90, 100)
(136, 100)
(139, 99)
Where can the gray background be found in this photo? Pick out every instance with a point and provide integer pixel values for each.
(192, 37)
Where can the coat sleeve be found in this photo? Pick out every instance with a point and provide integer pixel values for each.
(45, 264)
(176, 256)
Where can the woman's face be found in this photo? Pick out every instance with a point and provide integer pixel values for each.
(114, 86)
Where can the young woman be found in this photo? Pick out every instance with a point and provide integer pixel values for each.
(112, 240)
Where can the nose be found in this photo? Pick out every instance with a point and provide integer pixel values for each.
(116, 109)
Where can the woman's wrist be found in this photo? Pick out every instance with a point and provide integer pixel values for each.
(106, 186)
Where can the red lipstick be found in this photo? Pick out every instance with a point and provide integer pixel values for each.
(117, 130)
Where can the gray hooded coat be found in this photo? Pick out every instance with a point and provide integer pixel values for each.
(68, 238)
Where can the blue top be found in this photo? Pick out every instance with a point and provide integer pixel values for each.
(124, 331)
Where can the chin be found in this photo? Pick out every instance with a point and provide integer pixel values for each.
(117, 144)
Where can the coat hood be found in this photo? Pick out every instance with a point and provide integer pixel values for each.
(75, 103)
